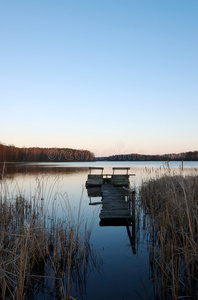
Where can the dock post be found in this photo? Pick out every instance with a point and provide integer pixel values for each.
(132, 235)
(133, 222)
(133, 206)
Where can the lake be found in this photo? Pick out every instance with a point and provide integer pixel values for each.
(118, 269)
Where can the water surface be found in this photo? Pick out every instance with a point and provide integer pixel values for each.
(118, 270)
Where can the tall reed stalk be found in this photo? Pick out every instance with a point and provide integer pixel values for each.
(39, 256)
(171, 208)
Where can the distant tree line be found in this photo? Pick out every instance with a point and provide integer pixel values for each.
(186, 156)
(35, 154)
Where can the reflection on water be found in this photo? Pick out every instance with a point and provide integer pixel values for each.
(127, 196)
(120, 267)
(11, 170)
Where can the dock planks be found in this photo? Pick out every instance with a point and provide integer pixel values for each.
(114, 205)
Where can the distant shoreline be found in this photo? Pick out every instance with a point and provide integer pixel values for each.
(185, 156)
(91, 161)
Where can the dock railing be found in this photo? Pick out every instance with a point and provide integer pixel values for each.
(115, 179)
(95, 168)
(121, 168)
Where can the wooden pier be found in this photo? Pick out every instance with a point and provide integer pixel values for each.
(115, 208)
(94, 180)
(117, 200)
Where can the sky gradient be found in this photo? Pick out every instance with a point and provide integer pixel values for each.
(108, 76)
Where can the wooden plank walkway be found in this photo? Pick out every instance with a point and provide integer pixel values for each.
(114, 205)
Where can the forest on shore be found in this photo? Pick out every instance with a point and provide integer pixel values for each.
(10, 153)
(35, 154)
(185, 156)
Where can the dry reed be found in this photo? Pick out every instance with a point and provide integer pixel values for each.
(40, 256)
(171, 209)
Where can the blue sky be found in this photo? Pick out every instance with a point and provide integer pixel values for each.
(109, 76)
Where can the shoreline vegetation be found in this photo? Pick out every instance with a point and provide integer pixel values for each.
(36, 154)
(184, 156)
(12, 154)
(171, 218)
(42, 254)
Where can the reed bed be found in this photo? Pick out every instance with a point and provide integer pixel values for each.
(170, 205)
(41, 257)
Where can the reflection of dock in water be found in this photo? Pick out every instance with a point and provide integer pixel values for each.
(117, 201)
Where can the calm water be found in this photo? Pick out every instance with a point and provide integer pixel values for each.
(116, 271)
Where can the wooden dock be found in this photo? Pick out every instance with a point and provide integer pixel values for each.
(112, 188)
(117, 203)
(114, 205)
(94, 180)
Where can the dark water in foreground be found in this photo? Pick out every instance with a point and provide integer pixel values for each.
(118, 269)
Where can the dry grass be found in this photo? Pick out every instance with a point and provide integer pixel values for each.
(171, 207)
(40, 256)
